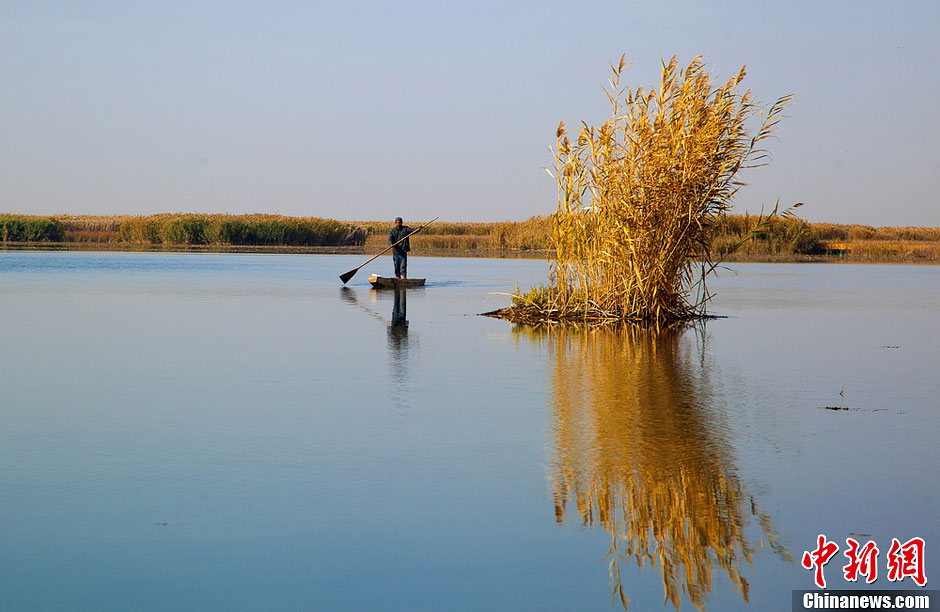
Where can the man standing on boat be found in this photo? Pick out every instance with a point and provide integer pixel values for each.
(400, 252)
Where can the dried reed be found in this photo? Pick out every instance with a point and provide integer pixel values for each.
(637, 195)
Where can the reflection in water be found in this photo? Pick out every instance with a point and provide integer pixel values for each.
(349, 296)
(640, 449)
(398, 341)
(398, 328)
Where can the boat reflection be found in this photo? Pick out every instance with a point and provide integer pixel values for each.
(640, 448)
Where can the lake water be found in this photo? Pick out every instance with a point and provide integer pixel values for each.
(242, 432)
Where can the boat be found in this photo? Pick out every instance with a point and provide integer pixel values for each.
(385, 282)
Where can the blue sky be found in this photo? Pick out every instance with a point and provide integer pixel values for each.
(371, 110)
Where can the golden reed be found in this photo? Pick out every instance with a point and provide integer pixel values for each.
(637, 195)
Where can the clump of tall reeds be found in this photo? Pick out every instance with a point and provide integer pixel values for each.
(637, 195)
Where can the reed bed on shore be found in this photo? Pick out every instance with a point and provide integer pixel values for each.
(638, 196)
(532, 234)
(274, 230)
(30, 228)
(881, 251)
(775, 236)
(857, 233)
(438, 228)
(427, 242)
(193, 229)
(732, 237)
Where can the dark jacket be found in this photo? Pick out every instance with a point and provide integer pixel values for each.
(397, 234)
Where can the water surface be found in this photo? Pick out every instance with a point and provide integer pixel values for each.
(242, 432)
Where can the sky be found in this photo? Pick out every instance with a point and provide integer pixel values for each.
(372, 110)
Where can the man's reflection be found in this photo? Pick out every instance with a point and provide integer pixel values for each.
(398, 328)
(399, 309)
(398, 341)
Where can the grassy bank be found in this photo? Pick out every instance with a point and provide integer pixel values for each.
(182, 230)
(782, 240)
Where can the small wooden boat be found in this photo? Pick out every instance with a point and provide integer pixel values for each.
(385, 282)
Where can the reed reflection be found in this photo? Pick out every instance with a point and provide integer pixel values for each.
(640, 449)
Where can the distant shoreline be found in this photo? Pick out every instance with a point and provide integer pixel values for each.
(263, 249)
(785, 240)
(372, 250)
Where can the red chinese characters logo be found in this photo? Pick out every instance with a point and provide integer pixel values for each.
(903, 560)
(819, 557)
(864, 561)
(907, 560)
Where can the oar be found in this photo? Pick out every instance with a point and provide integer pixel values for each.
(345, 277)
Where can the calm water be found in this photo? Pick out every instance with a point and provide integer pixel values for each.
(228, 432)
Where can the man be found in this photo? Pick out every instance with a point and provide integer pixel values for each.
(400, 252)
